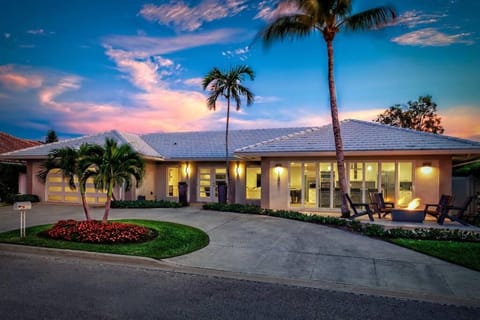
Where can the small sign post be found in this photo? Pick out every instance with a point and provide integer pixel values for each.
(22, 207)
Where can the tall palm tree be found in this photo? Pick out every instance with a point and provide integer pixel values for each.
(328, 17)
(228, 85)
(117, 165)
(73, 164)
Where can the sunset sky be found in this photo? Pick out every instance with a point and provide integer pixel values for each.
(86, 66)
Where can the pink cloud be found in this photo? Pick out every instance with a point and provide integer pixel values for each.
(461, 121)
(47, 95)
(18, 81)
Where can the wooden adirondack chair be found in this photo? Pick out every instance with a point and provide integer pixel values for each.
(357, 209)
(435, 210)
(460, 212)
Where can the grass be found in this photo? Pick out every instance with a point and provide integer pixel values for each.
(466, 254)
(172, 240)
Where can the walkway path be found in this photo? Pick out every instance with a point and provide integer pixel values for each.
(273, 249)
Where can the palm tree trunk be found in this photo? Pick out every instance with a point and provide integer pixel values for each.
(336, 131)
(85, 207)
(227, 162)
(108, 203)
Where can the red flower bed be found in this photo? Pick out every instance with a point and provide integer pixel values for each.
(97, 232)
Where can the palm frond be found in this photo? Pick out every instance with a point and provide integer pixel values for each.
(293, 26)
(372, 18)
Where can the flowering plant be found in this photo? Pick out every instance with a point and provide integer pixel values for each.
(97, 232)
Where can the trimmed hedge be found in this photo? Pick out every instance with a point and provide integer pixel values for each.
(371, 230)
(22, 197)
(123, 204)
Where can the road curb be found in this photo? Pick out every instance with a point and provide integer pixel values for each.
(167, 266)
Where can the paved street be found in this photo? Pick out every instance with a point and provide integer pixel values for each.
(283, 251)
(42, 287)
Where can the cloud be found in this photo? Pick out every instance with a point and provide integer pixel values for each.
(261, 99)
(241, 53)
(414, 18)
(267, 11)
(431, 37)
(7, 35)
(36, 32)
(182, 17)
(142, 46)
(15, 80)
(47, 95)
(461, 121)
(194, 82)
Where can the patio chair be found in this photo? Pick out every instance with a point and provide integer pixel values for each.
(459, 216)
(379, 205)
(357, 209)
(435, 210)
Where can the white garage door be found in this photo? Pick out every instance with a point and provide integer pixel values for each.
(59, 191)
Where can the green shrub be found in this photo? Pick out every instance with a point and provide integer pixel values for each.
(136, 204)
(23, 197)
(372, 230)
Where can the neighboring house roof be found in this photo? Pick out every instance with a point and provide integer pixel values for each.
(209, 145)
(10, 143)
(358, 136)
(362, 136)
(42, 151)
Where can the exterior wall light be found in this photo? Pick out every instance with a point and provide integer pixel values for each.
(238, 170)
(187, 170)
(426, 168)
(278, 170)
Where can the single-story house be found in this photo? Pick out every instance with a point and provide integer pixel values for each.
(282, 168)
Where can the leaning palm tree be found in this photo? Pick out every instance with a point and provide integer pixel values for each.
(72, 163)
(328, 17)
(116, 166)
(228, 85)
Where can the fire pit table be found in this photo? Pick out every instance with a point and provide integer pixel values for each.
(407, 215)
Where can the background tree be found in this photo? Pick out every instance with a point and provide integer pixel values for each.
(51, 136)
(73, 164)
(228, 84)
(328, 17)
(419, 115)
(116, 166)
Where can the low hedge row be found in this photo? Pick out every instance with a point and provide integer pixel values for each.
(11, 198)
(123, 204)
(371, 230)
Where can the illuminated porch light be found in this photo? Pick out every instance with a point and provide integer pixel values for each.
(278, 170)
(426, 168)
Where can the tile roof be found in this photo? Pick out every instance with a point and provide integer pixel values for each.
(209, 144)
(361, 136)
(42, 150)
(10, 143)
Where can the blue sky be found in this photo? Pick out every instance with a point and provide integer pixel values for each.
(81, 67)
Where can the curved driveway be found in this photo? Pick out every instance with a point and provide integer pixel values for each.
(286, 251)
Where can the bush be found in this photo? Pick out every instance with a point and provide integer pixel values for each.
(122, 204)
(97, 232)
(371, 230)
(11, 198)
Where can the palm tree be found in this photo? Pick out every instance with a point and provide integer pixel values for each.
(328, 17)
(116, 166)
(73, 164)
(228, 85)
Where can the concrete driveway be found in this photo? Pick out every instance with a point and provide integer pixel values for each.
(279, 250)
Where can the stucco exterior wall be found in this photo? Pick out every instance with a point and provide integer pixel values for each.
(33, 184)
(147, 188)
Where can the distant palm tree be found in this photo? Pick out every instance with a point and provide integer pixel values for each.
(328, 17)
(73, 164)
(117, 165)
(228, 85)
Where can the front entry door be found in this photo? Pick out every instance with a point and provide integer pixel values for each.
(208, 179)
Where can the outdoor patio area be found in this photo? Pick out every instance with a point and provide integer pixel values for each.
(429, 222)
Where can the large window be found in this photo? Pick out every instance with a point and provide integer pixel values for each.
(316, 184)
(253, 183)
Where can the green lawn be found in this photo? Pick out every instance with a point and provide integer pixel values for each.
(466, 254)
(172, 240)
